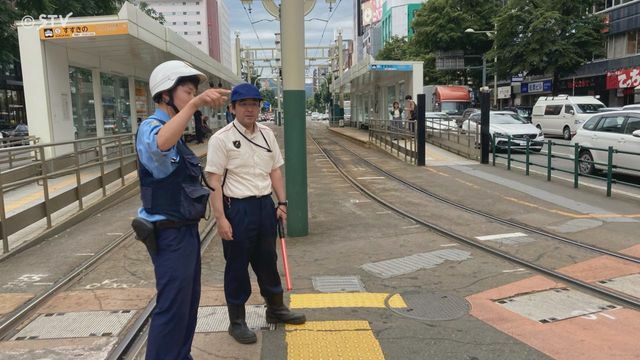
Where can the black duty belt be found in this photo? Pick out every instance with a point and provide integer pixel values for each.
(247, 198)
(167, 224)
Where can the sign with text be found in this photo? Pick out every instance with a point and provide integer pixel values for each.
(504, 92)
(385, 67)
(623, 78)
(536, 87)
(84, 30)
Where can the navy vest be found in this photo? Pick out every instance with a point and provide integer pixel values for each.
(180, 195)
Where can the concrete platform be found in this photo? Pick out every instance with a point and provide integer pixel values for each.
(348, 231)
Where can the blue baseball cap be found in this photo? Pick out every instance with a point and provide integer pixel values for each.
(245, 91)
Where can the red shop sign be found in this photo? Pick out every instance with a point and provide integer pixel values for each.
(623, 78)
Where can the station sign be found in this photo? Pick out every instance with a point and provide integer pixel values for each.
(385, 67)
(84, 30)
(536, 87)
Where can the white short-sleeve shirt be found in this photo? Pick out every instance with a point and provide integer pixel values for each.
(248, 165)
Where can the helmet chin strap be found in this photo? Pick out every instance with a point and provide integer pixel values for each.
(171, 104)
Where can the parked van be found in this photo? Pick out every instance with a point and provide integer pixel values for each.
(561, 115)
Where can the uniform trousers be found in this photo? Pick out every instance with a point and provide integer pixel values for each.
(177, 269)
(253, 223)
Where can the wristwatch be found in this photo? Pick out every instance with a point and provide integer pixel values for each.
(285, 203)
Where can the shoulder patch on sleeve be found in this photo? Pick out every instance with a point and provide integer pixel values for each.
(154, 122)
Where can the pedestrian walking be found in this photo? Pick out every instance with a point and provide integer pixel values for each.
(410, 111)
(243, 166)
(197, 119)
(229, 116)
(173, 202)
(396, 116)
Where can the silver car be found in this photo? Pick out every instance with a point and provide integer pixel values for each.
(505, 124)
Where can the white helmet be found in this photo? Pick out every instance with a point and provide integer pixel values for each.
(165, 75)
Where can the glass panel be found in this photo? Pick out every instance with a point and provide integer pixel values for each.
(633, 124)
(82, 102)
(116, 109)
(631, 42)
(144, 105)
(391, 97)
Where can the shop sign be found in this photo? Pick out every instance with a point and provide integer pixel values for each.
(84, 30)
(380, 67)
(578, 84)
(536, 87)
(624, 78)
(504, 92)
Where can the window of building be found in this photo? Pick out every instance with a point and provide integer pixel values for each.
(197, 12)
(116, 109)
(199, 42)
(174, 23)
(184, 13)
(82, 102)
(198, 23)
(632, 42)
(185, 33)
(184, 3)
(185, 23)
(199, 32)
(197, 3)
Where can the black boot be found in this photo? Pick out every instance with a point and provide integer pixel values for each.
(238, 327)
(277, 312)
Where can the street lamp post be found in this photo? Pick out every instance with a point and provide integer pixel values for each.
(490, 33)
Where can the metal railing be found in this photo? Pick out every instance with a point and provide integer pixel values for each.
(16, 155)
(576, 161)
(445, 133)
(395, 135)
(63, 174)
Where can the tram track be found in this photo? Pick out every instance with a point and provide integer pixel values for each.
(136, 333)
(616, 297)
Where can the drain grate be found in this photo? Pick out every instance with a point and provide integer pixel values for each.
(425, 305)
(76, 325)
(554, 305)
(628, 284)
(408, 264)
(216, 318)
(333, 284)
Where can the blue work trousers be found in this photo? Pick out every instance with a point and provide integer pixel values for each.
(177, 268)
(253, 222)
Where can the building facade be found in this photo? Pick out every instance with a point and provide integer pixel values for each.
(204, 23)
(397, 16)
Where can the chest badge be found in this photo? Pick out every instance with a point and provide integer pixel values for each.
(236, 144)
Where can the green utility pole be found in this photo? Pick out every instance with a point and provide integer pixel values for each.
(293, 54)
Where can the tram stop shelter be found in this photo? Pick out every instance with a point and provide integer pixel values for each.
(89, 76)
(374, 85)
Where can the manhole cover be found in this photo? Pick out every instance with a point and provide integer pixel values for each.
(431, 306)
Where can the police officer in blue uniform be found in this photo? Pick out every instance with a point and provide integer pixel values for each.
(173, 201)
(243, 165)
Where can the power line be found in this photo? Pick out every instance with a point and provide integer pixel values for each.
(327, 23)
(251, 22)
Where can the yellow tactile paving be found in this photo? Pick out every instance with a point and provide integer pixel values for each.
(339, 300)
(330, 325)
(322, 340)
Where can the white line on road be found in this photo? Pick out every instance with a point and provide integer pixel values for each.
(448, 245)
(500, 236)
(513, 270)
(86, 254)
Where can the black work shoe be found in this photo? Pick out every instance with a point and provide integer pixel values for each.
(238, 327)
(277, 312)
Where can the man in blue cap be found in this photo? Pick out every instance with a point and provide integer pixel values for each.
(243, 166)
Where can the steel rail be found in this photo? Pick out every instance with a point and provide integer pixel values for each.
(619, 298)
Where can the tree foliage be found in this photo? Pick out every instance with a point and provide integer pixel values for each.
(547, 37)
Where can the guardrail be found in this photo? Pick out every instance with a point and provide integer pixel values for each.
(388, 135)
(102, 161)
(446, 134)
(16, 155)
(610, 165)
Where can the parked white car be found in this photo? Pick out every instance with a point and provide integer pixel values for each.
(562, 114)
(503, 124)
(439, 121)
(620, 130)
(315, 116)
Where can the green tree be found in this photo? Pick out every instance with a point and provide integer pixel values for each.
(269, 96)
(397, 48)
(547, 37)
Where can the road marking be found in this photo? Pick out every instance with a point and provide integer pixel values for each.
(345, 300)
(500, 236)
(468, 184)
(383, 212)
(437, 172)
(448, 245)
(513, 270)
(332, 340)
(85, 254)
(569, 214)
(114, 234)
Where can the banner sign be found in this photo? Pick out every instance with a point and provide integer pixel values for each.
(504, 92)
(381, 67)
(623, 78)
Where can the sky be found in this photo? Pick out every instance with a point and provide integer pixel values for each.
(340, 17)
